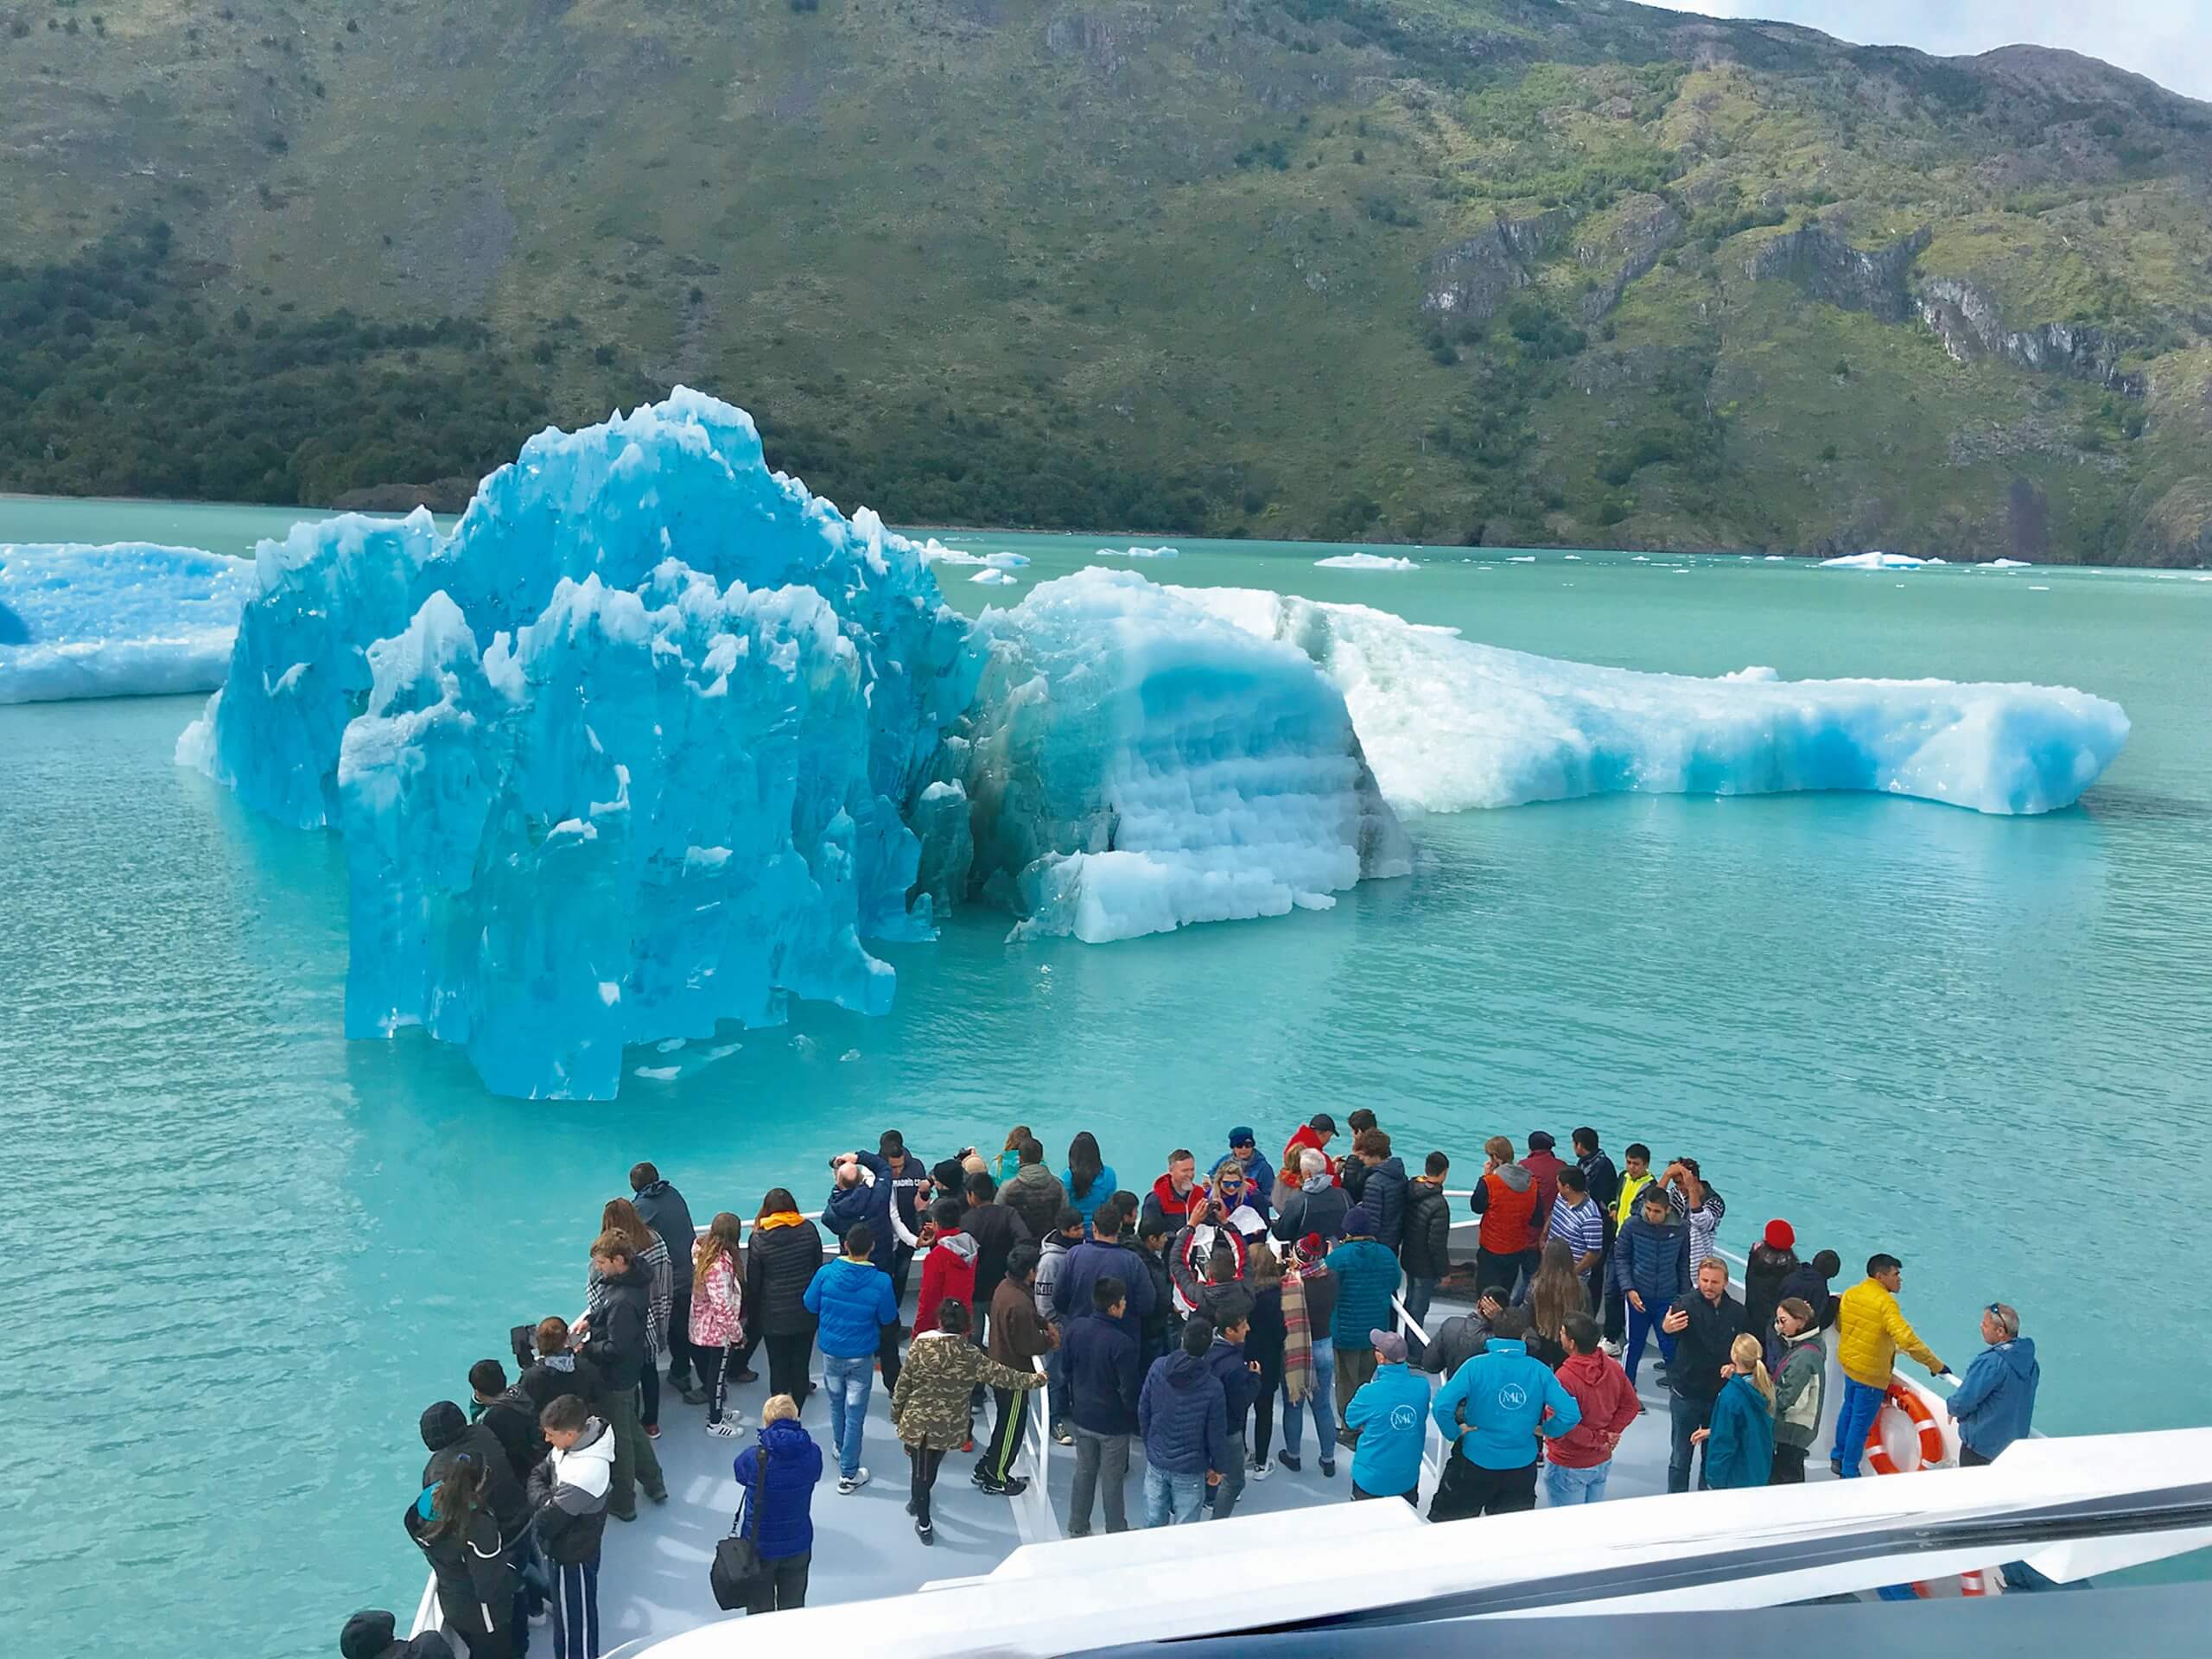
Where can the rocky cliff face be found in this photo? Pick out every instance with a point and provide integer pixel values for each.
(1470, 279)
(1828, 267)
(1968, 323)
(1642, 228)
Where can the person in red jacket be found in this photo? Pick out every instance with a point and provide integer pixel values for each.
(948, 1269)
(1543, 1165)
(1577, 1462)
(1319, 1131)
(1505, 1199)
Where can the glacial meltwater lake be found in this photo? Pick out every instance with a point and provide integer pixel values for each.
(242, 1254)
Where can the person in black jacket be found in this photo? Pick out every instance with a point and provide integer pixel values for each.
(1240, 1385)
(1383, 1189)
(996, 1230)
(781, 1259)
(665, 1211)
(372, 1633)
(618, 1346)
(1353, 1171)
(1099, 1358)
(1773, 1259)
(451, 1438)
(478, 1583)
(1163, 1325)
(1425, 1250)
(556, 1371)
(509, 1413)
(1705, 1326)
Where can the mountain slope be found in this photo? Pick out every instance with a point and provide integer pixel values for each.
(1441, 269)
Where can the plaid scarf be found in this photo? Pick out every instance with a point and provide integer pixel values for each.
(1297, 1342)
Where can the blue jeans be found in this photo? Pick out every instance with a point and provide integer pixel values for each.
(1854, 1419)
(1173, 1499)
(1322, 1403)
(1641, 1325)
(1563, 1485)
(1686, 1418)
(848, 1382)
(1056, 1384)
(1418, 1293)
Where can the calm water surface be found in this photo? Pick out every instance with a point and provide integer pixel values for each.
(243, 1254)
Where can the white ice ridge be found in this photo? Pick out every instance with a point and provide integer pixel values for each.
(1878, 562)
(1448, 724)
(1137, 764)
(1137, 553)
(1364, 562)
(128, 619)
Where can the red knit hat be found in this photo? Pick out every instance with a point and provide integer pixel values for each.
(1780, 1236)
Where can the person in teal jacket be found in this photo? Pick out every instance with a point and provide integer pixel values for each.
(1740, 1444)
(1367, 1278)
(1492, 1411)
(1390, 1415)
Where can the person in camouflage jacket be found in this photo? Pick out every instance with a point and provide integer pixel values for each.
(929, 1407)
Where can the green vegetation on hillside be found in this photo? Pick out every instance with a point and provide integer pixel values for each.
(1521, 271)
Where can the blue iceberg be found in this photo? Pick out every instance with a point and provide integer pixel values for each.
(132, 619)
(630, 753)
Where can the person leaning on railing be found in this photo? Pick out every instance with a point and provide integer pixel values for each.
(1869, 1329)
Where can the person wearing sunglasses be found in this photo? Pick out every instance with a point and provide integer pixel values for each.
(1996, 1404)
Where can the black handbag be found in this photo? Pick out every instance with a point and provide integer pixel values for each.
(738, 1569)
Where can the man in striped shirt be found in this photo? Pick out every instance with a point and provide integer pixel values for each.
(1578, 1222)
(1695, 1204)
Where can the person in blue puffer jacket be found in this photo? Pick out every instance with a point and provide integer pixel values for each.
(779, 1476)
(1182, 1414)
(853, 1299)
(1652, 1266)
(1996, 1404)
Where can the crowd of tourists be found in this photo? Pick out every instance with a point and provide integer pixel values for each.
(1181, 1327)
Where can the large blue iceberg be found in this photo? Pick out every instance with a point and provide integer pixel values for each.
(130, 619)
(656, 739)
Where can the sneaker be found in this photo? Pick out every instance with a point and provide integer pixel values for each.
(1835, 1467)
(1259, 1469)
(1063, 1434)
(622, 1515)
(1613, 1349)
(968, 1445)
(1289, 1460)
(1011, 1486)
(727, 1428)
(926, 1532)
(695, 1397)
(850, 1484)
(979, 1474)
(1328, 1469)
(652, 1431)
(748, 1375)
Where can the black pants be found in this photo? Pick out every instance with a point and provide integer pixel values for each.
(1359, 1494)
(1788, 1465)
(781, 1586)
(1615, 1305)
(902, 1262)
(997, 1461)
(787, 1358)
(1968, 1458)
(1498, 1267)
(1263, 1420)
(926, 1460)
(724, 1363)
(1468, 1489)
(683, 1359)
(886, 1356)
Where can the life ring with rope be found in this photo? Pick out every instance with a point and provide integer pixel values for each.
(1932, 1451)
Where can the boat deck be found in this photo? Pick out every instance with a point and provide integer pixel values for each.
(653, 1572)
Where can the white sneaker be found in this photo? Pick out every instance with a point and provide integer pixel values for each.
(728, 1428)
(1259, 1470)
(850, 1484)
(1613, 1349)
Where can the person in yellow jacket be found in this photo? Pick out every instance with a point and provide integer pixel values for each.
(1635, 1175)
(1870, 1330)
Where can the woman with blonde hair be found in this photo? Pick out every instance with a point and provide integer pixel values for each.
(620, 1216)
(1009, 1159)
(718, 1314)
(1740, 1445)
(779, 1476)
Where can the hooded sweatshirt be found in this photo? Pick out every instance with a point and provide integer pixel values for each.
(1997, 1402)
(1319, 1206)
(567, 1495)
(475, 1570)
(1183, 1414)
(948, 1270)
(1505, 1199)
(1609, 1405)
(1503, 1396)
(512, 1419)
(450, 1436)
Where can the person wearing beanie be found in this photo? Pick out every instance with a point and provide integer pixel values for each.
(372, 1634)
(1258, 1175)
(1367, 1279)
(1773, 1259)
(1390, 1415)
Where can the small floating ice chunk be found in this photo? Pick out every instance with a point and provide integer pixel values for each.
(671, 1045)
(1364, 562)
(1005, 560)
(992, 577)
(2009, 564)
(1522, 558)
(657, 1073)
(2037, 587)
(1137, 553)
(610, 991)
(1877, 560)
(1573, 558)
(1777, 558)
(124, 620)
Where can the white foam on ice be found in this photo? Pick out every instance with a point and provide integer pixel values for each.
(1139, 764)
(1448, 724)
(1522, 558)
(130, 619)
(1364, 562)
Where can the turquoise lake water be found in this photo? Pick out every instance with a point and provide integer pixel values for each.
(243, 1254)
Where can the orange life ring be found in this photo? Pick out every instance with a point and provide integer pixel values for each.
(1931, 1437)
